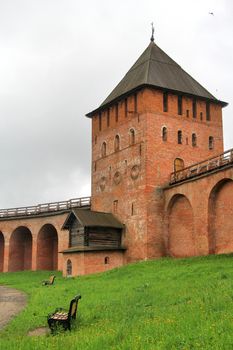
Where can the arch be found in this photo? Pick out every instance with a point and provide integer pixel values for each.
(178, 164)
(47, 248)
(106, 260)
(164, 133)
(104, 149)
(20, 249)
(131, 136)
(220, 223)
(117, 143)
(2, 248)
(180, 227)
(69, 268)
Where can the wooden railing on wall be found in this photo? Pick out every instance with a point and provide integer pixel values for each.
(46, 208)
(205, 166)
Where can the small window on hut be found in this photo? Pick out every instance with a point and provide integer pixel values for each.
(68, 268)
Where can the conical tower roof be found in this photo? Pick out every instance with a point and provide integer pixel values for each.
(155, 68)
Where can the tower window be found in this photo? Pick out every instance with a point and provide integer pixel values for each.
(108, 117)
(132, 209)
(135, 103)
(165, 101)
(104, 149)
(211, 142)
(126, 107)
(194, 108)
(100, 122)
(201, 115)
(116, 115)
(179, 101)
(187, 113)
(178, 164)
(117, 143)
(179, 137)
(194, 140)
(131, 137)
(207, 111)
(115, 206)
(164, 133)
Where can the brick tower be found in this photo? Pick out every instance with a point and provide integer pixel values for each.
(158, 119)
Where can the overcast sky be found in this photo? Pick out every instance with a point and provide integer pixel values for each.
(59, 59)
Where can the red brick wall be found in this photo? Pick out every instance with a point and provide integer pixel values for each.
(154, 158)
(92, 262)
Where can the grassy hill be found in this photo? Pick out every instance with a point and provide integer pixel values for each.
(162, 304)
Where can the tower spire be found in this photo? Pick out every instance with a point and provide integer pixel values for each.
(152, 32)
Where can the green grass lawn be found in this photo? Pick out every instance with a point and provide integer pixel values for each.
(162, 304)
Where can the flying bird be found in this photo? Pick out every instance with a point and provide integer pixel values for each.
(211, 13)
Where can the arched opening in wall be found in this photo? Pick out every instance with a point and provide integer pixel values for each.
(104, 149)
(181, 241)
(20, 250)
(164, 133)
(132, 137)
(106, 260)
(220, 223)
(117, 143)
(178, 164)
(69, 268)
(47, 248)
(2, 246)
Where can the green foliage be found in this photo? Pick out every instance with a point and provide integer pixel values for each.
(162, 304)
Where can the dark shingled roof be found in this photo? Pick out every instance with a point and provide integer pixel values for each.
(90, 218)
(155, 68)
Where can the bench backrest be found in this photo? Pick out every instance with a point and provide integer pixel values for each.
(51, 279)
(73, 307)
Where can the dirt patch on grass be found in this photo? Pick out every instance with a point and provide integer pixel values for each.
(12, 301)
(39, 331)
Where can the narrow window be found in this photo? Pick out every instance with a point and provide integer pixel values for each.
(194, 140)
(132, 209)
(106, 260)
(179, 100)
(131, 137)
(117, 143)
(178, 164)
(135, 103)
(201, 115)
(95, 140)
(194, 108)
(104, 149)
(179, 136)
(115, 206)
(187, 113)
(207, 111)
(164, 133)
(165, 101)
(116, 115)
(94, 166)
(126, 107)
(211, 142)
(108, 117)
(100, 122)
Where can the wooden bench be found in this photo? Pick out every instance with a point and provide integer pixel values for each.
(62, 317)
(49, 282)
